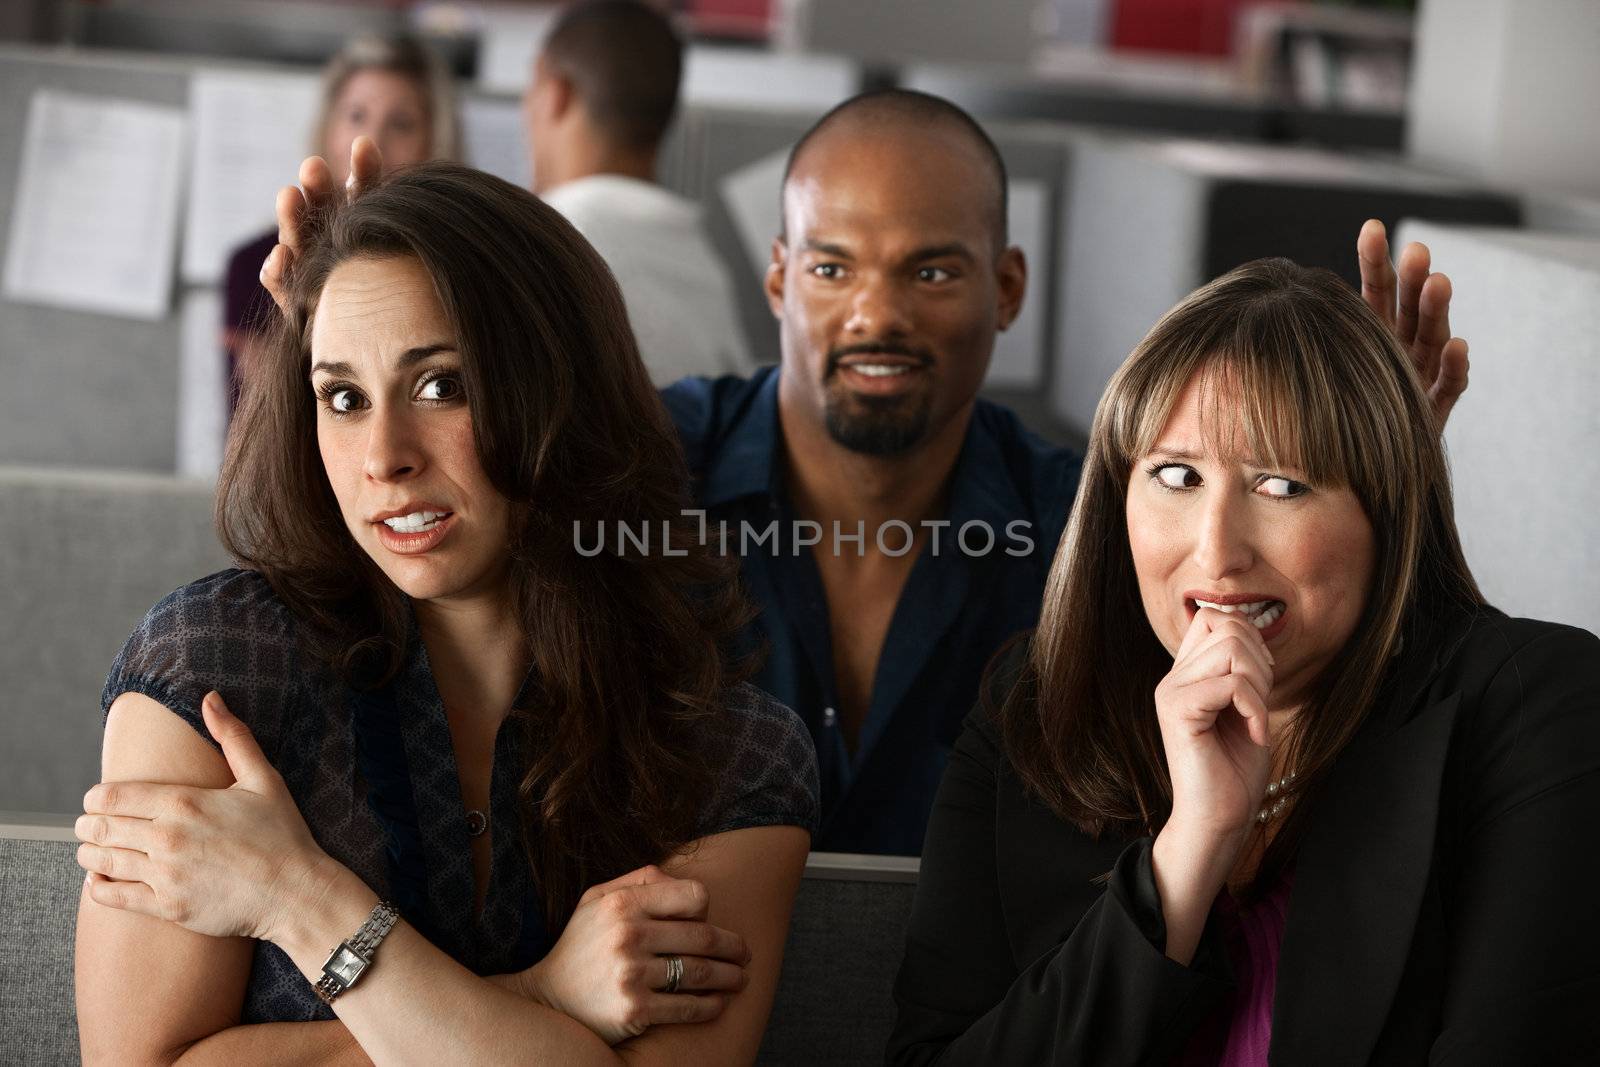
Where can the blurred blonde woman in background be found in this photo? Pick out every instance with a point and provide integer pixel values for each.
(391, 89)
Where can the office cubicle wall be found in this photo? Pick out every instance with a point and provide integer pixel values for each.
(87, 553)
(1123, 96)
(1136, 93)
(1147, 221)
(89, 389)
(1522, 441)
(725, 143)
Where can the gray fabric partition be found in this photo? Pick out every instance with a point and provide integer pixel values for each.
(718, 142)
(39, 885)
(1095, 99)
(1147, 221)
(87, 554)
(95, 390)
(834, 1000)
(1522, 441)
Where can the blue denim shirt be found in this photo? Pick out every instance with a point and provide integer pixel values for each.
(957, 608)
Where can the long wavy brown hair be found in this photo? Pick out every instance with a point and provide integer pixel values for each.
(629, 650)
(1314, 379)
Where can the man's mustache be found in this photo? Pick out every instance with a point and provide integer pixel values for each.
(877, 348)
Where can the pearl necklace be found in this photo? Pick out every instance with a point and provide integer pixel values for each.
(1272, 808)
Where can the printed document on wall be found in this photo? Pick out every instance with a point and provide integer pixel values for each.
(94, 226)
(250, 133)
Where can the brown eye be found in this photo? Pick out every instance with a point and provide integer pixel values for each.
(343, 400)
(1177, 476)
(440, 389)
(1280, 488)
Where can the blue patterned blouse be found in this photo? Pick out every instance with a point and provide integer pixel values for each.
(375, 777)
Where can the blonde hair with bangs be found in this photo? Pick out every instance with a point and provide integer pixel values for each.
(1297, 368)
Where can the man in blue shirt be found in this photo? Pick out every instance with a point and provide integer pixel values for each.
(914, 521)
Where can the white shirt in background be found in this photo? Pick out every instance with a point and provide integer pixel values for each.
(679, 296)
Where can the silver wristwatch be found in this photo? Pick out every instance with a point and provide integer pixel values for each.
(347, 963)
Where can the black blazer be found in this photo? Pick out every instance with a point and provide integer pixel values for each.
(1445, 908)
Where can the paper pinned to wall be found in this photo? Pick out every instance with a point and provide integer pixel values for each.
(250, 133)
(495, 139)
(751, 195)
(1019, 352)
(94, 226)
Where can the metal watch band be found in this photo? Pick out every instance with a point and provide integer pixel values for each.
(378, 924)
(328, 987)
(362, 944)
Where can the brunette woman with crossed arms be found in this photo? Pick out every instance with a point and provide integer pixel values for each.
(523, 791)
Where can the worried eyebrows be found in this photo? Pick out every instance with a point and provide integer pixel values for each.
(408, 359)
(1185, 453)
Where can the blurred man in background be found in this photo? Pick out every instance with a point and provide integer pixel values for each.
(604, 91)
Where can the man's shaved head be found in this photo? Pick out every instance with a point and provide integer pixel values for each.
(887, 111)
(892, 274)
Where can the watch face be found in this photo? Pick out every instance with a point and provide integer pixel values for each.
(345, 965)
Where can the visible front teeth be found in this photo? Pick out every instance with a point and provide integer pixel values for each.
(1261, 613)
(1268, 617)
(879, 370)
(416, 522)
(1248, 609)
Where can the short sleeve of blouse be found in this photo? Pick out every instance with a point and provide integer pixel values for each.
(227, 632)
(766, 768)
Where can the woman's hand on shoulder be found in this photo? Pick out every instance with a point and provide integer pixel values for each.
(295, 202)
(609, 969)
(222, 862)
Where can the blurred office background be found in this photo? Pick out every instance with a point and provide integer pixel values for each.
(1152, 144)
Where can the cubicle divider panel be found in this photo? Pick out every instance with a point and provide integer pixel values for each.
(87, 554)
(1038, 159)
(1198, 109)
(737, 163)
(1522, 440)
(835, 1001)
(1150, 220)
(1251, 219)
(86, 389)
(40, 882)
